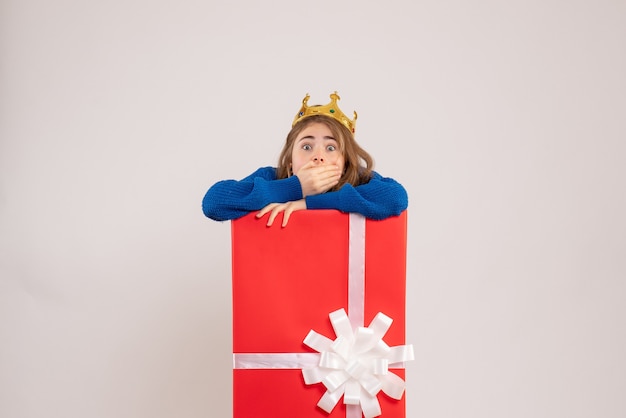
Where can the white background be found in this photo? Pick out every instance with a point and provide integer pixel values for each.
(505, 121)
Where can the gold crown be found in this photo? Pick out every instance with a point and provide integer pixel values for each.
(331, 109)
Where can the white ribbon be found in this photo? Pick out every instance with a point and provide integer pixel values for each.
(356, 270)
(356, 364)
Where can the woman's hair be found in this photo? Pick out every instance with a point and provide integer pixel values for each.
(358, 164)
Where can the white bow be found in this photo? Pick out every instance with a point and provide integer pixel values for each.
(356, 364)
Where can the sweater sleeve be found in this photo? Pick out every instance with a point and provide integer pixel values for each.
(380, 198)
(232, 199)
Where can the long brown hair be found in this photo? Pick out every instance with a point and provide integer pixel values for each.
(358, 164)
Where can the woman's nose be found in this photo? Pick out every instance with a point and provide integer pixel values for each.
(318, 158)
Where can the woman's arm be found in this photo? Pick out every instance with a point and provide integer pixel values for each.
(380, 198)
(232, 199)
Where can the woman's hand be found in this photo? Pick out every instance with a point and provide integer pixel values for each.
(275, 208)
(317, 179)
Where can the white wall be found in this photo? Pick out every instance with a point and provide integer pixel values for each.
(504, 121)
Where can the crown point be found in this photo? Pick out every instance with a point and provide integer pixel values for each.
(331, 109)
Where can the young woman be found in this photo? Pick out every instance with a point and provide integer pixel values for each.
(321, 166)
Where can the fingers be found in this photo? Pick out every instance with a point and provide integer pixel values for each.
(273, 209)
(320, 169)
(287, 208)
(286, 216)
(324, 184)
(292, 207)
(277, 209)
(310, 169)
(328, 180)
(266, 209)
(316, 179)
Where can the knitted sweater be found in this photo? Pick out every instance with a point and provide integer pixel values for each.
(380, 198)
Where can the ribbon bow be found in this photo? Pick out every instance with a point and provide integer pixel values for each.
(356, 364)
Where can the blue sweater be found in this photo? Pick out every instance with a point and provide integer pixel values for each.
(380, 198)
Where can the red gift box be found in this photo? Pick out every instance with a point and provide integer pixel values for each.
(286, 282)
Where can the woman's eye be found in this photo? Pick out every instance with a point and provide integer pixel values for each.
(331, 148)
(306, 147)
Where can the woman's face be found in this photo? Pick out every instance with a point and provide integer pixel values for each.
(316, 143)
